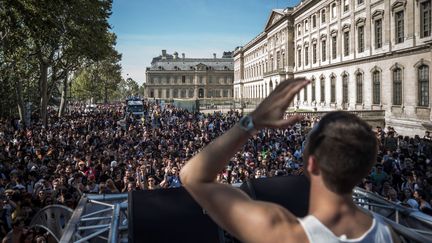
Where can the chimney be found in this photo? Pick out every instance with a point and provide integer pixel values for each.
(175, 55)
(163, 53)
(214, 55)
(183, 55)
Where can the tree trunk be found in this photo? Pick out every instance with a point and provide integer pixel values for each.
(20, 101)
(106, 92)
(44, 93)
(63, 101)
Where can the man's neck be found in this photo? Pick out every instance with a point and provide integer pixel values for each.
(327, 205)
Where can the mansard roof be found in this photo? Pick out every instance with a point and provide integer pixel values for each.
(179, 63)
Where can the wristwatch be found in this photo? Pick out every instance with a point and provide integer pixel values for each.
(246, 123)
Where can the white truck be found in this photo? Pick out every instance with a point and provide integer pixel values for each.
(136, 107)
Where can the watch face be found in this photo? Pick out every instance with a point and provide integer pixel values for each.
(246, 123)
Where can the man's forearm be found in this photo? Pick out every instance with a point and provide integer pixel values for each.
(205, 166)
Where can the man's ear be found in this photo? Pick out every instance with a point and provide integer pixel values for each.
(312, 166)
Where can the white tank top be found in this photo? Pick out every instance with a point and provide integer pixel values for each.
(318, 233)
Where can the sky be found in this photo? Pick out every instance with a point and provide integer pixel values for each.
(197, 28)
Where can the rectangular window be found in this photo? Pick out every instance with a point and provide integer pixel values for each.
(306, 55)
(360, 33)
(333, 90)
(322, 90)
(378, 33)
(345, 89)
(333, 10)
(346, 5)
(376, 87)
(423, 79)
(299, 57)
(425, 19)
(305, 94)
(313, 90)
(397, 87)
(399, 26)
(314, 53)
(278, 60)
(183, 79)
(346, 43)
(334, 46)
(323, 16)
(323, 51)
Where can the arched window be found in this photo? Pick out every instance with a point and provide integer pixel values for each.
(376, 87)
(175, 93)
(333, 89)
(191, 93)
(182, 93)
(345, 89)
(313, 90)
(359, 88)
(397, 86)
(322, 89)
(423, 85)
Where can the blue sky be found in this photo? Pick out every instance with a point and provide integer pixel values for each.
(197, 28)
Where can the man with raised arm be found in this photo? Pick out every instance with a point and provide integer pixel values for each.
(340, 151)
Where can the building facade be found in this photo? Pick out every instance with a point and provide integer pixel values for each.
(359, 55)
(174, 77)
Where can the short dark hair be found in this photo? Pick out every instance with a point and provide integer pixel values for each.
(345, 148)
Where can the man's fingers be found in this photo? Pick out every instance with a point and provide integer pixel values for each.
(294, 90)
(287, 85)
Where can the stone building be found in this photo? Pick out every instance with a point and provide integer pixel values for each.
(174, 77)
(359, 54)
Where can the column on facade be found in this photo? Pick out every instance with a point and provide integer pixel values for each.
(387, 25)
(353, 30)
(410, 18)
(368, 29)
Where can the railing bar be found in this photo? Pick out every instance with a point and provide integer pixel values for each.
(94, 227)
(101, 203)
(92, 235)
(95, 218)
(97, 212)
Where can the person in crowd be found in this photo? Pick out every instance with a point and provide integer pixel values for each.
(340, 150)
(94, 153)
(424, 206)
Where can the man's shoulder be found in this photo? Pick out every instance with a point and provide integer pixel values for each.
(285, 226)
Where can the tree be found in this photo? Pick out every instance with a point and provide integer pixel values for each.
(57, 36)
(99, 80)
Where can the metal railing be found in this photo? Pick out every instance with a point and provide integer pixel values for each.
(411, 219)
(98, 216)
(360, 113)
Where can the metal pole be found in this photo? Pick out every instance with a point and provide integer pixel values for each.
(101, 203)
(114, 229)
(92, 235)
(97, 212)
(93, 227)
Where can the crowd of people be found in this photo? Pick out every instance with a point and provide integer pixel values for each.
(107, 151)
